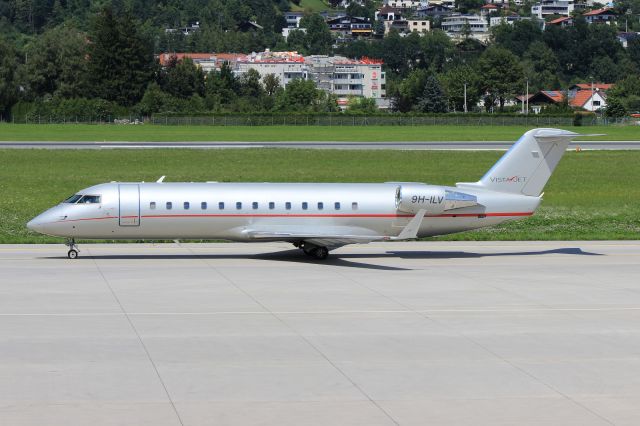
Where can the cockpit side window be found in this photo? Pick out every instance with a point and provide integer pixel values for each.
(73, 199)
(89, 199)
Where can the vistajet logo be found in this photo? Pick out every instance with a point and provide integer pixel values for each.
(512, 179)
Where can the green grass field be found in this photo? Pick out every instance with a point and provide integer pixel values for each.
(592, 195)
(313, 5)
(87, 132)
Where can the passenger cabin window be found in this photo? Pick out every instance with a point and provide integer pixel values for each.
(336, 206)
(186, 205)
(203, 205)
(221, 205)
(305, 205)
(254, 205)
(320, 206)
(169, 205)
(152, 205)
(272, 205)
(238, 205)
(354, 206)
(287, 205)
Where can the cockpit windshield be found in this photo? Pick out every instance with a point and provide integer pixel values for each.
(83, 199)
(73, 199)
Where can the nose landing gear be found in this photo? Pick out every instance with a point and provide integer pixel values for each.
(73, 248)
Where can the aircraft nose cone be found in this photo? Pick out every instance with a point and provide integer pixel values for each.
(36, 225)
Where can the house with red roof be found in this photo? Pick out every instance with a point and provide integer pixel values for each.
(605, 15)
(564, 21)
(588, 100)
(581, 96)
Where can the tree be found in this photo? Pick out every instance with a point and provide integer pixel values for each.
(299, 95)
(541, 66)
(365, 105)
(183, 79)
(271, 84)
(453, 83)
(615, 108)
(121, 63)
(318, 39)
(502, 76)
(405, 94)
(250, 86)
(296, 41)
(8, 86)
(432, 99)
(55, 64)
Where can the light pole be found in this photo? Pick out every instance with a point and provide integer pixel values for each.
(465, 97)
(527, 98)
(592, 94)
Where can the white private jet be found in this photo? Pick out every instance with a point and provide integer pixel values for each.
(315, 217)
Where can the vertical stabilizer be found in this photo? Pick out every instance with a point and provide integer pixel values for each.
(527, 166)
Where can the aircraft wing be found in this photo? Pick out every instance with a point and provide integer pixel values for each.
(331, 236)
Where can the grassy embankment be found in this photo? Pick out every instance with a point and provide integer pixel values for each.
(87, 132)
(592, 195)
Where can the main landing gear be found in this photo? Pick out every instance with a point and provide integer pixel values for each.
(319, 252)
(73, 249)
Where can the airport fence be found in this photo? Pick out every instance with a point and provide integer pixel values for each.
(333, 120)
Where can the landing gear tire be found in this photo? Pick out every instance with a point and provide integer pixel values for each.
(321, 253)
(73, 249)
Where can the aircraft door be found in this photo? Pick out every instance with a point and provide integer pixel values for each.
(129, 207)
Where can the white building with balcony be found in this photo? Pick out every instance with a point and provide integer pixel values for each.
(337, 75)
(456, 24)
(552, 7)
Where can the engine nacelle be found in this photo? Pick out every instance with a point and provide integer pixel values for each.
(411, 198)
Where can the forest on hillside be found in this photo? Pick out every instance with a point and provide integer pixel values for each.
(70, 57)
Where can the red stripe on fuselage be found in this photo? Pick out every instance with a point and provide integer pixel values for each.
(451, 215)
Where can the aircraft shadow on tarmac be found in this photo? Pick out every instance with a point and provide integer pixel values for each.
(337, 259)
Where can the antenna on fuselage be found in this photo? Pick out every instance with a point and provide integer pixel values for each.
(161, 179)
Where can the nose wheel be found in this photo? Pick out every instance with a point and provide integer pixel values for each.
(73, 249)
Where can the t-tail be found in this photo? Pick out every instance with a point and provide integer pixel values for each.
(527, 166)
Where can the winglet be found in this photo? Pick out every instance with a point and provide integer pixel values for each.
(161, 179)
(411, 230)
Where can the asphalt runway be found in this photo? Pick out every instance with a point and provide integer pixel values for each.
(422, 333)
(427, 145)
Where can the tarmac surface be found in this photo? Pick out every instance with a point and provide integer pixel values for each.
(426, 145)
(422, 333)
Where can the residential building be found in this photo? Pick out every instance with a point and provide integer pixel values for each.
(338, 75)
(207, 61)
(388, 13)
(564, 21)
(600, 16)
(419, 25)
(434, 11)
(510, 19)
(625, 37)
(287, 66)
(552, 7)
(293, 19)
(457, 23)
(287, 31)
(188, 30)
(488, 9)
(586, 96)
(406, 4)
(350, 26)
